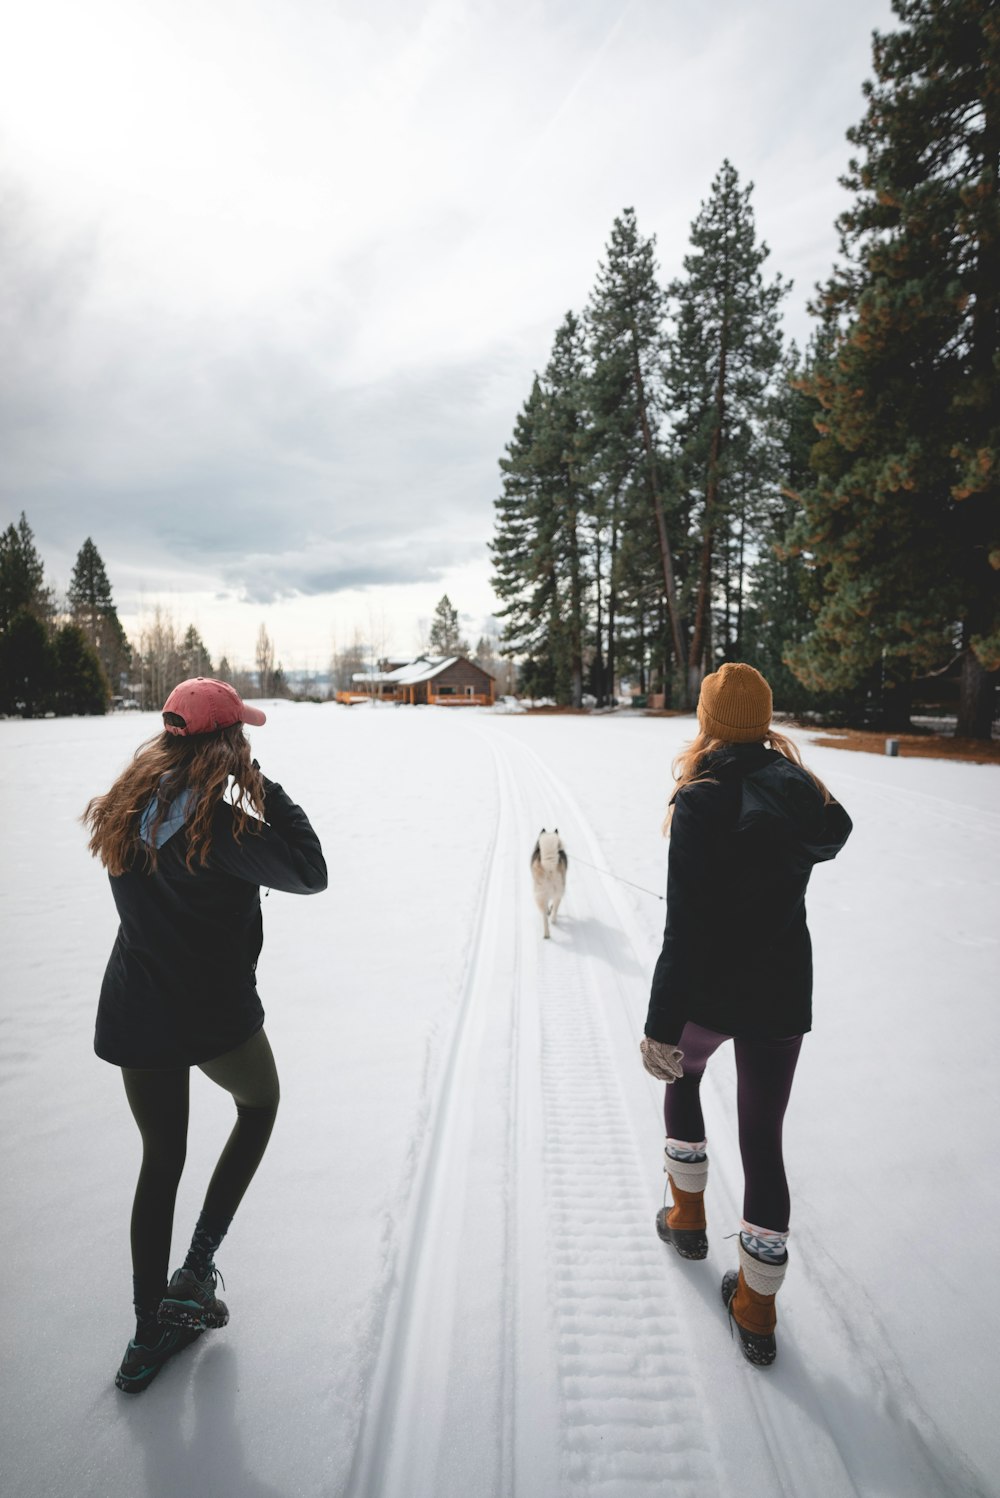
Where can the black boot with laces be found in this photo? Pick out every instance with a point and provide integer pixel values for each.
(192, 1302)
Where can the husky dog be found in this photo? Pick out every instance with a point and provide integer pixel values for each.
(548, 873)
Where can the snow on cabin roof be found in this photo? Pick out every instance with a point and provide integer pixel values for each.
(422, 669)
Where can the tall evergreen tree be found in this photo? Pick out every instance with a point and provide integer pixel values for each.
(22, 586)
(92, 609)
(540, 557)
(560, 458)
(721, 366)
(446, 635)
(195, 659)
(625, 320)
(523, 564)
(903, 520)
(27, 666)
(80, 684)
(783, 592)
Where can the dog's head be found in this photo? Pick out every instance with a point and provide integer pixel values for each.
(549, 844)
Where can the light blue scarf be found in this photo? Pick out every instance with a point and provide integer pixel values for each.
(173, 821)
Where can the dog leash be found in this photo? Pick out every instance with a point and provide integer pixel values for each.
(621, 880)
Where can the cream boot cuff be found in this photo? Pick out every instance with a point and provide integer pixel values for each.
(687, 1175)
(766, 1279)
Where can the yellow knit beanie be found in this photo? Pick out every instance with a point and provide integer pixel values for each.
(735, 704)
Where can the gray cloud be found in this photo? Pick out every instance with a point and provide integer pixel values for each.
(261, 354)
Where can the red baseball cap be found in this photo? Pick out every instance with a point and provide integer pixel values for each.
(207, 705)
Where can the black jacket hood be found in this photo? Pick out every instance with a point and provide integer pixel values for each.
(782, 800)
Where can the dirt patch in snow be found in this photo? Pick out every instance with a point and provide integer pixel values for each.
(912, 745)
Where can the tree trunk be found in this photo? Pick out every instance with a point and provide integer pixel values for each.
(666, 555)
(698, 638)
(576, 613)
(727, 613)
(977, 689)
(597, 675)
(738, 643)
(977, 696)
(896, 703)
(612, 605)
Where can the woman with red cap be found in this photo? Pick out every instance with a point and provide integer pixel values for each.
(747, 822)
(186, 856)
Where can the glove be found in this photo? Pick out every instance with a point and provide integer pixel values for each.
(661, 1060)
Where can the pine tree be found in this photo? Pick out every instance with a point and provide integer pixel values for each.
(721, 365)
(540, 549)
(903, 521)
(522, 575)
(27, 666)
(783, 592)
(80, 684)
(195, 659)
(446, 636)
(92, 609)
(559, 454)
(22, 586)
(639, 636)
(625, 321)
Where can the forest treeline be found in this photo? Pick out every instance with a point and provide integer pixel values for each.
(681, 489)
(72, 655)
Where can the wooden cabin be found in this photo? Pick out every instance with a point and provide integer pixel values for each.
(435, 681)
(451, 681)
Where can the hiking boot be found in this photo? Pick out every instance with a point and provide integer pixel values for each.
(748, 1295)
(141, 1364)
(682, 1223)
(192, 1302)
(690, 1242)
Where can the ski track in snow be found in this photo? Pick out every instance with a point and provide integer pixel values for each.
(521, 1331)
(540, 1341)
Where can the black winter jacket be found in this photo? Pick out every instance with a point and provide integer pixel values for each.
(736, 951)
(180, 986)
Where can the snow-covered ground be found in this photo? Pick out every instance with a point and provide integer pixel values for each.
(444, 1282)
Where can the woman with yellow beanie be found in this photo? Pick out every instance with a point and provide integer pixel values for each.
(747, 822)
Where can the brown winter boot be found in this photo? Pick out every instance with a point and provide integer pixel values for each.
(683, 1224)
(748, 1295)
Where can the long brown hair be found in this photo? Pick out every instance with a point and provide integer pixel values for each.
(689, 765)
(162, 768)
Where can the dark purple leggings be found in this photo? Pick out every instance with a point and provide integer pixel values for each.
(764, 1072)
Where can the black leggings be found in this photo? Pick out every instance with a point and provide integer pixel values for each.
(764, 1072)
(159, 1103)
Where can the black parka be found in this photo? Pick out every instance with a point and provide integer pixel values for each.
(180, 986)
(736, 952)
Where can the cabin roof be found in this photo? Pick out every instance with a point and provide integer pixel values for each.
(422, 669)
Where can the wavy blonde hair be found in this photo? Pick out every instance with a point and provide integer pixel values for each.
(164, 767)
(688, 767)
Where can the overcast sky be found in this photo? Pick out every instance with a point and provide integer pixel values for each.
(276, 273)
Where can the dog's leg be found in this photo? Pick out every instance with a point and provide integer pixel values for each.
(555, 907)
(545, 916)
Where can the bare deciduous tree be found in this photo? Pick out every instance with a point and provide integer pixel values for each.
(264, 656)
